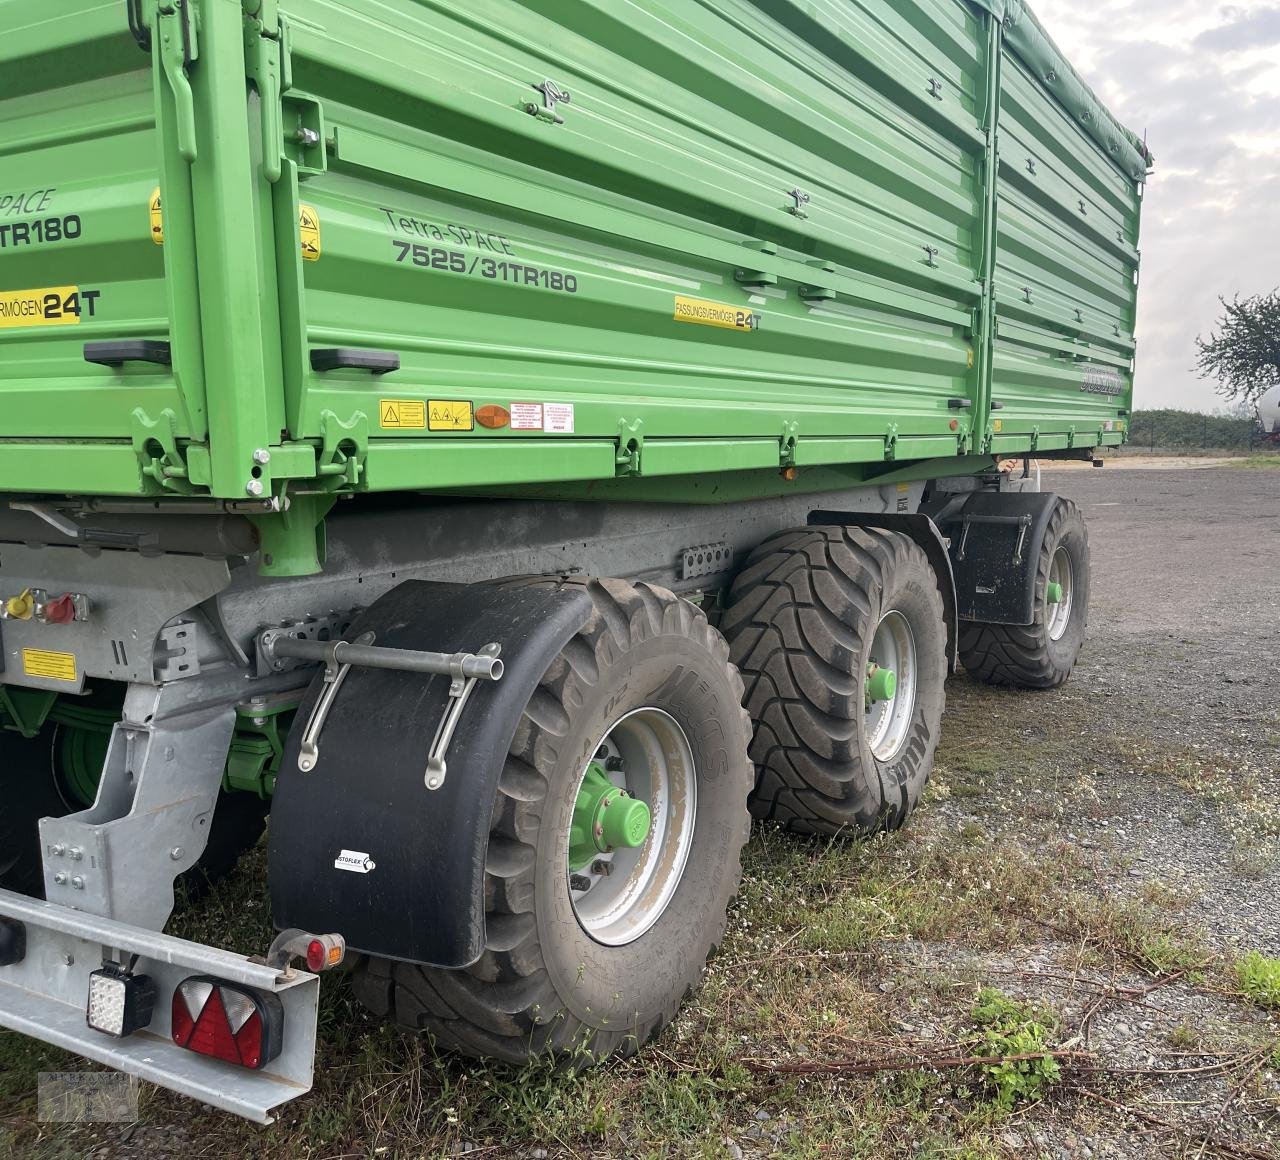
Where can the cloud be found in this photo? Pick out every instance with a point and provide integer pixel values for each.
(1204, 84)
(1243, 30)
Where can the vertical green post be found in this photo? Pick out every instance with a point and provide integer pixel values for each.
(985, 338)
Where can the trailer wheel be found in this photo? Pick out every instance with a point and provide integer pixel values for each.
(614, 848)
(1040, 655)
(841, 638)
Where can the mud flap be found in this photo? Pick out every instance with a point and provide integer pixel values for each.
(996, 539)
(360, 845)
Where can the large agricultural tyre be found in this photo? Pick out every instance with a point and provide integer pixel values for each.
(1040, 655)
(614, 846)
(841, 638)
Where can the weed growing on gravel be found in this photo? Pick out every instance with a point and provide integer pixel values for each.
(1010, 1028)
(1260, 979)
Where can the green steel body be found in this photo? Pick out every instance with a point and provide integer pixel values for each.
(922, 226)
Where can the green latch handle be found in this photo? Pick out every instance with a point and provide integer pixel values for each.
(177, 47)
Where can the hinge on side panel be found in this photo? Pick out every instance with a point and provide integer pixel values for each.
(552, 95)
(891, 441)
(630, 447)
(787, 444)
(344, 449)
(155, 443)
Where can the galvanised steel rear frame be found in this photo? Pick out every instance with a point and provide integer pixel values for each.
(924, 252)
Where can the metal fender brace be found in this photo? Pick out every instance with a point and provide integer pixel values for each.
(368, 835)
(463, 669)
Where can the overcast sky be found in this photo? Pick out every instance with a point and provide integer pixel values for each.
(1203, 80)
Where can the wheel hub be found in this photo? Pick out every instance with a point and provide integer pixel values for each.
(631, 830)
(605, 817)
(889, 687)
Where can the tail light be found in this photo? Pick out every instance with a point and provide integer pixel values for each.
(226, 1021)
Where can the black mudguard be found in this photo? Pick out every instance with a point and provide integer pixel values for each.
(359, 845)
(996, 538)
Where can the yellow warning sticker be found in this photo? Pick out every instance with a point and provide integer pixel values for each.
(157, 218)
(402, 414)
(997, 425)
(48, 306)
(703, 313)
(450, 415)
(309, 225)
(48, 666)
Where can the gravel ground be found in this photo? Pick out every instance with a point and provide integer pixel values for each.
(1183, 655)
(1159, 762)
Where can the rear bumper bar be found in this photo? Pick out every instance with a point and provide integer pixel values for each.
(45, 995)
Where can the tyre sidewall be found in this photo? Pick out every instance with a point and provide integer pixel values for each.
(912, 590)
(1071, 536)
(618, 988)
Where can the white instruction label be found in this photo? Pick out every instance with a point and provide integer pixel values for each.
(526, 416)
(558, 418)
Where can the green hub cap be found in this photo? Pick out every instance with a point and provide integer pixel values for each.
(882, 684)
(1053, 594)
(605, 818)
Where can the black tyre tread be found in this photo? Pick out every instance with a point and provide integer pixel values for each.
(505, 1005)
(795, 622)
(1016, 655)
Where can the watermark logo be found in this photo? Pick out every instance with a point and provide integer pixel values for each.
(87, 1097)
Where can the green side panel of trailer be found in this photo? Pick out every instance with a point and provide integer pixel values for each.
(615, 246)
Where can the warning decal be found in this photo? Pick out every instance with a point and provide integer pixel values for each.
(402, 414)
(309, 226)
(450, 415)
(48, 666)
(157, 218)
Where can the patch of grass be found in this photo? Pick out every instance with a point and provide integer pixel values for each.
(1182, 1038)
(1257, 461)
(1010, 1028)
(1260, 979)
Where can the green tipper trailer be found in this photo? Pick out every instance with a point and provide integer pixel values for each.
(512, 443)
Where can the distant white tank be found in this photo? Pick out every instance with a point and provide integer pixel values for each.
(1269, 412)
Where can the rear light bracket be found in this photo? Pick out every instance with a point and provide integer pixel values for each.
(45, 996)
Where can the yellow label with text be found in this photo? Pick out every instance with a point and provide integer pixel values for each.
(49, 666)
(48, 306)
(402, 414)
(157, 218)
(997, 425)
(703, 313)
(450, 415)
(309, 225)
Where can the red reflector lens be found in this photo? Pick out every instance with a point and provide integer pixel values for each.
(227, 1022)
(317, 956)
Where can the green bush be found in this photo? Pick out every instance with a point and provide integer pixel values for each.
(1260, 979)
(1010, 1028)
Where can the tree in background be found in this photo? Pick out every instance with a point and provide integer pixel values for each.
(1243, 354)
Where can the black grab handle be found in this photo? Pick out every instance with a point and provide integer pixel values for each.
(380, 362)
(117, 352)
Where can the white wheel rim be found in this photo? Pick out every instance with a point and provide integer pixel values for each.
(888, 722)
(1060, 614)
(627, 890)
